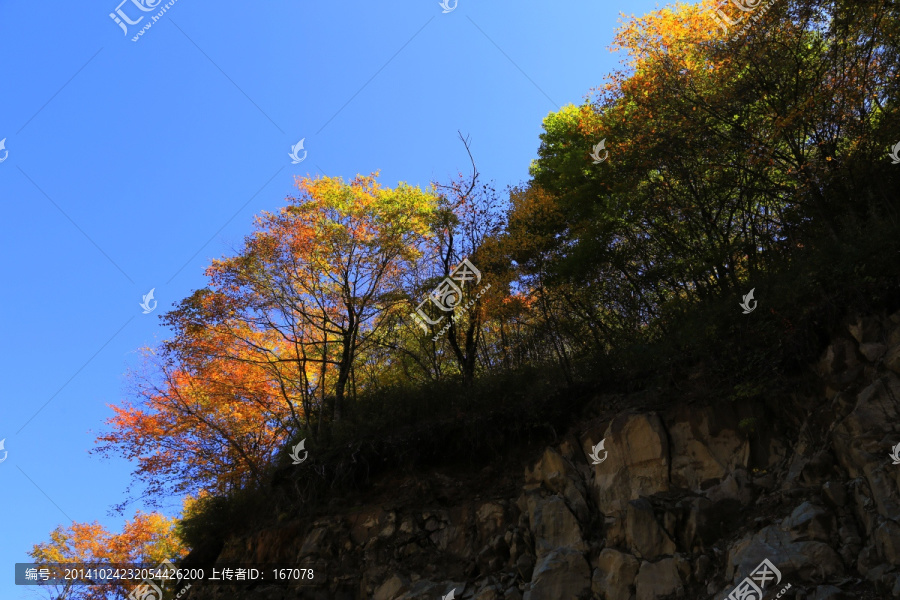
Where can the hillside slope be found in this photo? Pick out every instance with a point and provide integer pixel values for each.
(688, 502)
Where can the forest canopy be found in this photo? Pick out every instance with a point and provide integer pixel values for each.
(732, 159)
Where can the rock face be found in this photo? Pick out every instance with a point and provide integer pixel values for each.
(561, 573)
(687, 502)
(637, 465)
(658, 580)
(614, 575)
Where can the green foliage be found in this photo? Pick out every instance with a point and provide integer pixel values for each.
(748, 425)
(211, 519)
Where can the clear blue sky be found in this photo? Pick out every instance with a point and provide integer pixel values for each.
(131, 164)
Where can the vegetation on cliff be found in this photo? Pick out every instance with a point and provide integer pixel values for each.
(733, 164)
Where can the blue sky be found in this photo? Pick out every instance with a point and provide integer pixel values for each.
(131, 164)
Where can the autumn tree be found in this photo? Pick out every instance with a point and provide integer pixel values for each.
(204, 420)
(470, 214)
(272, 339)
(530, 243)
(324, 274)
(148, 539)
(728, 152)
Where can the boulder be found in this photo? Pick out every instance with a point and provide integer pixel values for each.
(851, 542)
(493, 556)
(613, 578)
(701, 568)
(872, 351)
(391, 588)
(839, 365)
(698, 521)
(809, 561)
(637, 463)
(706, 446)
(512, 593)
(643, 534)
(525, 566)
(562, 574)
(552, 524)
(736, 486)
(488, 593)
(835, 493)
(489, 519)
(863, 439)
(559, 476)
(390, 525)
(892, 359)
(810, 522)
(887, 541)
(315, 543)
(614, 529)
(659, 579)
(865, 329)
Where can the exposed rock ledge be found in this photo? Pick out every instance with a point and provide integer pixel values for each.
(688, 502)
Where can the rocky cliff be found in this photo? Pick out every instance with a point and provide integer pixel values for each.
(795, 495)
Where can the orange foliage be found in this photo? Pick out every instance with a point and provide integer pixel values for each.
(148, 539)
(273, 339)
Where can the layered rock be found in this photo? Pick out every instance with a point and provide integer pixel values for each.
(687, 502)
